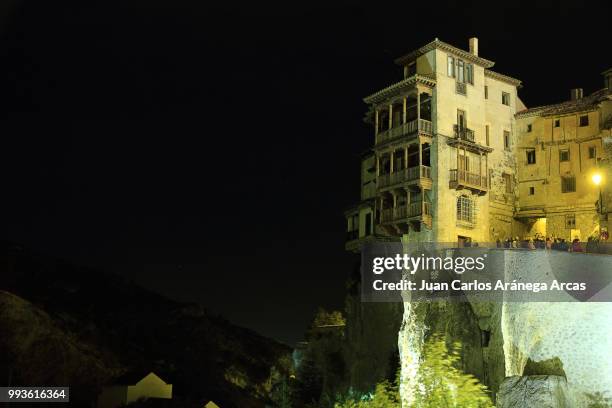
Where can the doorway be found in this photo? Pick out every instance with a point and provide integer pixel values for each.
(464, 242)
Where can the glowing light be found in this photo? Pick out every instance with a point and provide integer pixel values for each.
(596, 179)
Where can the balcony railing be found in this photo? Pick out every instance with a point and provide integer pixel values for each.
(403, 130)
(405, 211)
(467, 179)
(461, 88)
(463, 133)
(405, 175)
(425, 126)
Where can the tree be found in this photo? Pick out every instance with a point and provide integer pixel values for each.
(325, 318)
(598, 400)
(442, 384)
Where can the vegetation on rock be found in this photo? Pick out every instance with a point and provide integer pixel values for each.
(442, 384)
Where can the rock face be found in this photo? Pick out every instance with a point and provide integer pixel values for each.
(475, 325)
(36, 349)
(542, 391)
(63, 324)
(552, 366)
(372, 352)
(562, 338)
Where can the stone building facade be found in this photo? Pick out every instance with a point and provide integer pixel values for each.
(458, 158)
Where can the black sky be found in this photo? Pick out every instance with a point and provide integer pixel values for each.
(208, 151)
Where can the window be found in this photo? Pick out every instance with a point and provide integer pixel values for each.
(531, 156)
(557, 122)
(487, 133)
(592, 152)
(464, 163)
(564, 155)
(529, 128)
(486, 92)
(469, 73)
(460, 71)
(465, 209)
(584, 120)
(411, 69)
(506, 140)
(506, 98)
(368, 224)
(450, 70)
(570, 221)
(568, 184)
(461, 119)
(508, 182)
(531, 190)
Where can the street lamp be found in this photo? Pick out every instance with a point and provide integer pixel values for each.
(596, 178)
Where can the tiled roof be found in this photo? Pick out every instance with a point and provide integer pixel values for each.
(397, 87)
(446, 47)
(589, 102)
(502, 77)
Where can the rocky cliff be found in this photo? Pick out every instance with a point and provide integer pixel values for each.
(527, 351)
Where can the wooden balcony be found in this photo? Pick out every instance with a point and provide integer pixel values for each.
(409, 129)
(463, 133)
(466, 139)
(419, 211)
(417, 175)
(460, 179)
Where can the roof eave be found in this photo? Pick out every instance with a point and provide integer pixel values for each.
(437, 44)
(407, 82)
(504, 78)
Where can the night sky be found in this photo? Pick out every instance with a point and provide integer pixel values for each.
(207, 150)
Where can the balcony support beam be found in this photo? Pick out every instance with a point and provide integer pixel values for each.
(420, 153)
(376, 122)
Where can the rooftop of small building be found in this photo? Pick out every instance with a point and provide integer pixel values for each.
(132, 377)
(586, 103)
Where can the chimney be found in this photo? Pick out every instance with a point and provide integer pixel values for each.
(474, 46)
(576, 94)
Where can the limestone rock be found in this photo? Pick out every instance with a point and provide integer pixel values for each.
(552, 366)
(542, 391)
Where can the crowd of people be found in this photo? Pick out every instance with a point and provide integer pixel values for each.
(551, 243)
